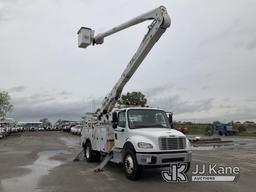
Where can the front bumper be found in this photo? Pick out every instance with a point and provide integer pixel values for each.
(163, 158)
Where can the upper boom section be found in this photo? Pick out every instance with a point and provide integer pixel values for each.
(161, 21)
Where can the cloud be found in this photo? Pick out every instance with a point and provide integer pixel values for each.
(34, 99)
(205, 87)
(215, 69)
(179, 106)
(53, 111)
(241, 114)
(17, 89)
(226, 106)
(251, 44)
(155, 91)
(246, 113)
(6, 9)
(39, 105)
(3, 15)
(236, 33)
(247, 42)
(222, 34)
(25, 110)
(251, 100)
(65, 93)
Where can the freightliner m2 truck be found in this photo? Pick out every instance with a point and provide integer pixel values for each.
(136, 137)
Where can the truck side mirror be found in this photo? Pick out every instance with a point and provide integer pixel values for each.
(170, 119)
(114, 120)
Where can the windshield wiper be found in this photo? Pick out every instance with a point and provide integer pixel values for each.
(149, 126)
(156, 125)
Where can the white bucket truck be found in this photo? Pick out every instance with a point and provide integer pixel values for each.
(136, 137)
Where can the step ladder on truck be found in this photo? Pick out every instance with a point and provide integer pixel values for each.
(136, 137)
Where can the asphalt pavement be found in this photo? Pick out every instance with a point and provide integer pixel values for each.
(43, 162)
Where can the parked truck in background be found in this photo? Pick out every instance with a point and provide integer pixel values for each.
(226, 129)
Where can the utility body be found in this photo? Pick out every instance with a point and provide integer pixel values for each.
(136, 137)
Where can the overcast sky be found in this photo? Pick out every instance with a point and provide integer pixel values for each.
(203, 68)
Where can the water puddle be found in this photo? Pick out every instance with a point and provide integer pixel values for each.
(71, 142)
(216, 146)
(211, 147)
(11, 151)
(39, 168)
(201, 148)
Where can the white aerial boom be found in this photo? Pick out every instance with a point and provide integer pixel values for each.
(161, 21)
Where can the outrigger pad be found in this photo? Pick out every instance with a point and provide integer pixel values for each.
(105, 161)
(78, 157)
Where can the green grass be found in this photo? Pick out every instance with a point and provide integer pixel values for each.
(194, 128)
(249, 130)
(248, 133)
(201, 128)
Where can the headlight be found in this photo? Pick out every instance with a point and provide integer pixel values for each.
(145, 145)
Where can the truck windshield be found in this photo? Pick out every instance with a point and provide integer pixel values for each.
(147, 118)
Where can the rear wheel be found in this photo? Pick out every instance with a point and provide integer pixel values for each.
(89, 154)
(131, 167)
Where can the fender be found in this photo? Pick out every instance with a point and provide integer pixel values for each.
(134, 140)
(84, 141)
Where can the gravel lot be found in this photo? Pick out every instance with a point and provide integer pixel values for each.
(42, 161)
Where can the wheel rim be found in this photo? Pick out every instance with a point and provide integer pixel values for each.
(87, 152)
(129, 165)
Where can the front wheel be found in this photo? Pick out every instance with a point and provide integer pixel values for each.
(131, 167)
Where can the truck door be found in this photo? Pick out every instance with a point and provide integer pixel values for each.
(120, 131)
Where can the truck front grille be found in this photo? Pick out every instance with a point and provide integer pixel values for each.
(170, 143)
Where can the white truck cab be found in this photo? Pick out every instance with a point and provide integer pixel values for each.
(139, 137)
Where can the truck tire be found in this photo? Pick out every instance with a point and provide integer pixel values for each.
(89, 154)
(131, 167)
